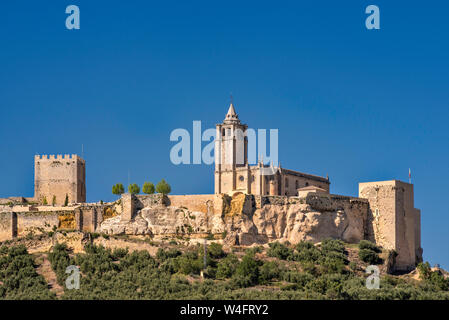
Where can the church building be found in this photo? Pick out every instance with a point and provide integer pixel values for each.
(233, 173)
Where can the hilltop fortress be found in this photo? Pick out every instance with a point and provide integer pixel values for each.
(248, 206)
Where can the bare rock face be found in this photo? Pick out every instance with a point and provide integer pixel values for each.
(313, 218)
(173, 220)
(116, 225)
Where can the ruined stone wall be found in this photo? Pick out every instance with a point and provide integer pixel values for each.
(58, 176)
(196, 202)
(36, 222)
(20, 221)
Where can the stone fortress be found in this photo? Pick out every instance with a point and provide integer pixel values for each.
(248, 206)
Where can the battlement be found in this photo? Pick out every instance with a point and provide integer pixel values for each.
(51, 157)
(59, 177)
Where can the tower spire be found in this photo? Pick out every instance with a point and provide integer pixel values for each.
(231, 116)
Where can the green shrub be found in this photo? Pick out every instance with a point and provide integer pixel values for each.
(188, 265)
(369, 256)
(309, 267)
(254, 250)
(280, 251)
(148, 188)
(163, 187)
(227, 266)
(299, 278)
(167, 254)
(365, 244)
(333, 256)
(247, 271)
(119, 253)
(215, 250)
(332, 246)
(133, 188)
(118, 189)
(268, 271)
(306, 252)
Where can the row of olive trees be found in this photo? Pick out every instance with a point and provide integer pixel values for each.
(148, 188)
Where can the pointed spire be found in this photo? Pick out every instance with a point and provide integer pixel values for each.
(231, 111)
(231, 116)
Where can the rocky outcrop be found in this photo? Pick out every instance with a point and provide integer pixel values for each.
(246, 220)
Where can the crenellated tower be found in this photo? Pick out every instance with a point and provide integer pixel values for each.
(58, 177)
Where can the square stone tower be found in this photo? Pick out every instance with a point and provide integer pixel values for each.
(59, 177)
(231, 152)
(393, 221)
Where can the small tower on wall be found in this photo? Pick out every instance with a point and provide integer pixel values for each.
(231, 151)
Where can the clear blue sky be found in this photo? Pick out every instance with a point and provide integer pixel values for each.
(358, 105)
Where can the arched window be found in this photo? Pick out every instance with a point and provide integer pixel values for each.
(297, 184)
(286, 182)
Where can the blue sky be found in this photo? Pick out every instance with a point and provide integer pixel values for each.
(357, 104)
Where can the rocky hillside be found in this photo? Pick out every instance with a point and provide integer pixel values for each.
(140, 267)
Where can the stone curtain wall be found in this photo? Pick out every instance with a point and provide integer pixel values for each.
(6, 226)
(36, 222)
(20, 223)
(197, 202)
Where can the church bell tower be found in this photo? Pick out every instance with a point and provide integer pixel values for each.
(231, 151)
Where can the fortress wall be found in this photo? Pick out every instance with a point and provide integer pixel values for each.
(24, 221)
(36, 222)
(6, 226)
(197, 202)
(142, 201)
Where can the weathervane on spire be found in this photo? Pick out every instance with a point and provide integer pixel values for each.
(232, 99)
